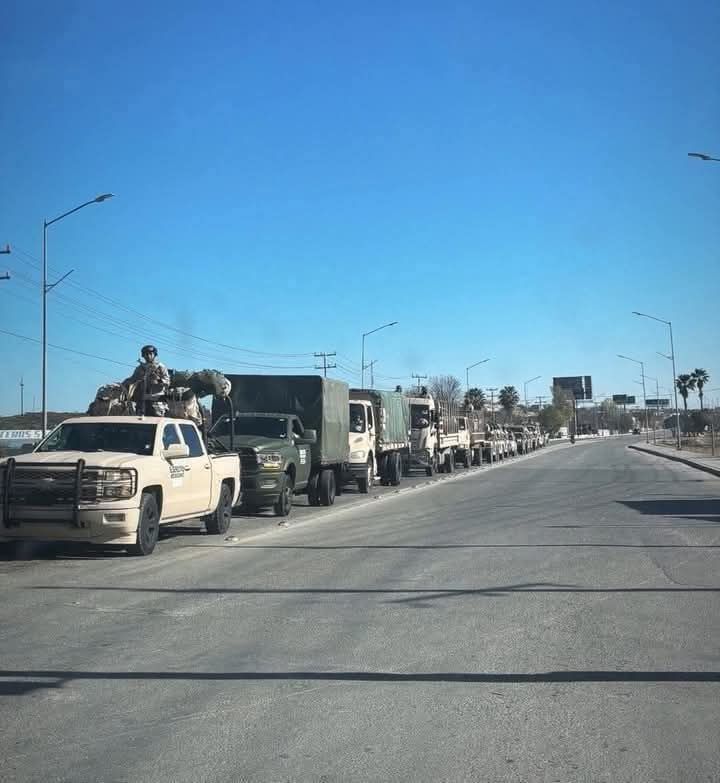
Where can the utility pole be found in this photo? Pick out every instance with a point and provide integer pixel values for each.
(419, 378)
(369, 366)
(6, 251)
(22, 397)
(541, 401)
(325, 366)
(492, 401)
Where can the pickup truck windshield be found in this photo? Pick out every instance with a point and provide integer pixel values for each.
(420, 415)
(95, 436)
(262, 426)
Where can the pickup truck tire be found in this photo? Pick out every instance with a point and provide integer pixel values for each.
(219, 521)
(283, 504)
(395, 469)
(365, 483)
(313, 490)
(148, 527)
(327, 487)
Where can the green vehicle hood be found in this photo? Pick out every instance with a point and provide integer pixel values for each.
(260, 443)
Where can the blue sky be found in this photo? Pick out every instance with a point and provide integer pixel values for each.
(503, 179)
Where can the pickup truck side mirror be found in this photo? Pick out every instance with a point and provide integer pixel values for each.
(176, 451)
(309, 437)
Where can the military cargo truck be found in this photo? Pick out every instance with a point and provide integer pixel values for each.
(291, 432)
(379, 437)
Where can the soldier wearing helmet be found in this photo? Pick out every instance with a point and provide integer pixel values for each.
(153, 381)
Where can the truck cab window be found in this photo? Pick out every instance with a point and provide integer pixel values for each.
(192, 439)
(357, 417)
(297, 429)
(170, 435)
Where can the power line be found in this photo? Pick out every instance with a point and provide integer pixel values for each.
(63, 348)
(157, 322)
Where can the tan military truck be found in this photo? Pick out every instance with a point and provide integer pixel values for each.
(114, 480)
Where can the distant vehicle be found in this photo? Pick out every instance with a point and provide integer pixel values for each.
(114, 480)
(437, 440)
(636, 431)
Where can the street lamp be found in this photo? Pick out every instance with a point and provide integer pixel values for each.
(702, 156)
(525, 385)
(46, 288)
(362, 362)
(642, 375)
(672, 359)
(467, 372)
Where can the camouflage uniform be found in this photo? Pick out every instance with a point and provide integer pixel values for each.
(154, 381)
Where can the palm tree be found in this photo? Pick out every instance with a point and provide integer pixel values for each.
(476, 398)
(508, 398)
(685, 384)
(701, 378)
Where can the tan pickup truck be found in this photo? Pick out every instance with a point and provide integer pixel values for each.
(114, 480)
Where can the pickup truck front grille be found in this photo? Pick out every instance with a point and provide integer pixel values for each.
(40, 486)
(248, 461)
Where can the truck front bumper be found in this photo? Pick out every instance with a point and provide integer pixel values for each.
(107, 525)
(261, 489)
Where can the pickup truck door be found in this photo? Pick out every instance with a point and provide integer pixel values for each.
(198, 473)
(174, 494)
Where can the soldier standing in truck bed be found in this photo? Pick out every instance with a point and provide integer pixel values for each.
(153, 381)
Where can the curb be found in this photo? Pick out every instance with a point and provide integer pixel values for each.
(684, 460)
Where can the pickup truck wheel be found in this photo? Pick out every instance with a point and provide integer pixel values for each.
(283, 504)
(365, 483)
(148, 527)
(219, 521)
(327, 487)
(313, 490)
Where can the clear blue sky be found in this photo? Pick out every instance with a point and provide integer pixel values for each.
(504, 179)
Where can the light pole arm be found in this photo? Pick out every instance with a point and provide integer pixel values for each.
(69, 212)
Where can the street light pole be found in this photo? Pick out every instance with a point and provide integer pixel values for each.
(46, 288)
(642, 375)
(467, 372)
(362, 360)
(525, 385)
(702, 156)
(672, 358)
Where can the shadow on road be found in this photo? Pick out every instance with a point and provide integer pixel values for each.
(704, 509)
(19, 682)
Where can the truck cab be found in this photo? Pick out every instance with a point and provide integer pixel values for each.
(274, 451)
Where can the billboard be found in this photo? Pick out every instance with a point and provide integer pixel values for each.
(662, 402)
(578, 386)
(624, 399)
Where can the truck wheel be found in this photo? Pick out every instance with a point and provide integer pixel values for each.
(148, 527)
(431, 467)
(313, 489)
(365, 483)
(383, 470)
(283, 504)
(327, 487)
(449, 463)
(468, 459)
(219, 521)
(395, 469)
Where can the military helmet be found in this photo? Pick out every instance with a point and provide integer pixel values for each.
(148, 349)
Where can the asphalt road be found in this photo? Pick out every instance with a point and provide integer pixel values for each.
(556, 619)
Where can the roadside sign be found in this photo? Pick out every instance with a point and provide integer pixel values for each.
(579, 386)
(662, 402)
(28, 435)
(624, 399)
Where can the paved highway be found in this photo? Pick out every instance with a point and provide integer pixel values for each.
(556, 619)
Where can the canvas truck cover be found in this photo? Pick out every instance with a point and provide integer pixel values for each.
(396, 422)
(322, 404)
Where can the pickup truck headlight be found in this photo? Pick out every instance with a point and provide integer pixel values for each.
(112, 484)
(270, 461)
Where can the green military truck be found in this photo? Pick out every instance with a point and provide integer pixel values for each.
(291, 432)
